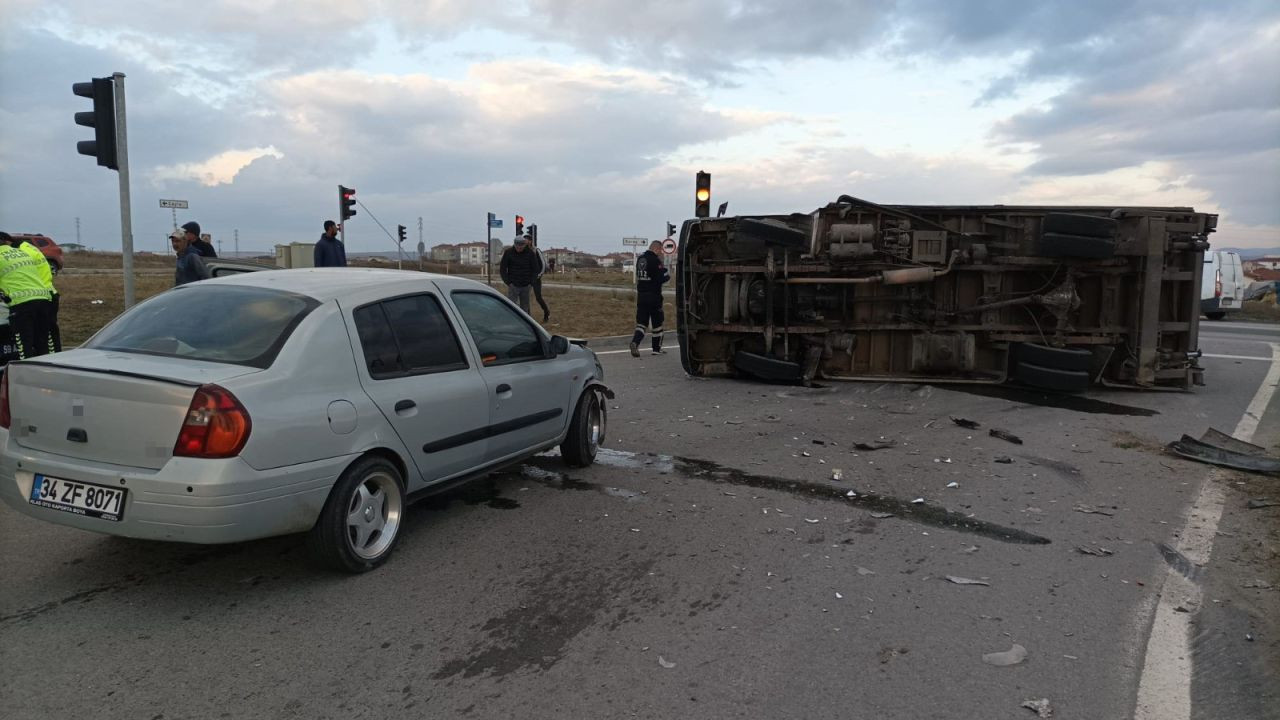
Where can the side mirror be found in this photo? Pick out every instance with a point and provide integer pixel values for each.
(559, 344)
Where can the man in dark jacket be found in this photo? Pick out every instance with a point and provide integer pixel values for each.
(650, 276)
(329, 250)
(190, 266)
(197, 243)
(520, 266)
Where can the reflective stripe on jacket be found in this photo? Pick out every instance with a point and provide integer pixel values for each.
(20, 276)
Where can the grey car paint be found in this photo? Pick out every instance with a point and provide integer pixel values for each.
(311, 414)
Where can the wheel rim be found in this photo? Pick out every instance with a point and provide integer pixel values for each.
(373, 515)
(595, 424)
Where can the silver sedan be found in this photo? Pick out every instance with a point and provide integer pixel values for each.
(267, 403)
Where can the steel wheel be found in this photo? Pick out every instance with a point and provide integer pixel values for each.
(373, 515)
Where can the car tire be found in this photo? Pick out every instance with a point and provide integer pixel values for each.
(1215, 315)
(1075, 224)
(1055, 358)
(586, 431)
(1071, 381)
(54, 267)
(1063, 245)
(360, 523)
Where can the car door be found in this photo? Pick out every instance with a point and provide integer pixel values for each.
(416, 372)
(529, 389)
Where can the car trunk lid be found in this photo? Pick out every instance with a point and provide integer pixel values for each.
(118, 408)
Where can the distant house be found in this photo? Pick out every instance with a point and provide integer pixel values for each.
(72, 247)
(472, 253)
(445, 253)
(1268, 262)
(616, 259)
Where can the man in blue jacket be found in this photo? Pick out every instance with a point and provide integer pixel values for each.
(329, 249)
(190, 266)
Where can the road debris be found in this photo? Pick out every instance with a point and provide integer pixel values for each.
(881, 515)
(851, 494)
(888, 653)
(1218, 448)
(1012, 656)
(1041, 707)
(1261, 503)
(1097, 551)
(663, 662)
(1258, 585)
(813, 521)
(942, 460)
(875, 445)
(1004, 460)
(966, 423)
(805, 453)
(864, 571)
(953, 484)
(1004, 435)
(837, 474)
(1091, 510)
(918, 501)
(839, 596)
(966, 581)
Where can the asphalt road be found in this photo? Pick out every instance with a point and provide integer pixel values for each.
(708, 566)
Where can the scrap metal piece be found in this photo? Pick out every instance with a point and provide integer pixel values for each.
(1007, 436)
(1192, 449)
(966, 423)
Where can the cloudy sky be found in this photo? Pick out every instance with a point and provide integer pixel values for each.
(590, 117)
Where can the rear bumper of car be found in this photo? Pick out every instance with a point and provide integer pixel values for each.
(1222, 304)
(188, 500)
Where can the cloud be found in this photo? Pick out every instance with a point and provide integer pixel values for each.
(221, 169)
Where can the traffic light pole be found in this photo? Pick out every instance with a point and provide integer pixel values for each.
(126, 218)
(488, 253)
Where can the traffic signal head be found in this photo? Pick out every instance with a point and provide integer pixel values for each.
(346, 201)
(519, 224)
(102, 119)
(533, 235)
(401, 230)
(671, 230)
(702, 195)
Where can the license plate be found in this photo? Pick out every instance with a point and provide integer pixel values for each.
(95, 501)
(1227, 301)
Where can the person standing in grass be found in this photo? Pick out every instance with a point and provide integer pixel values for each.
(29, 297)
(190, 266)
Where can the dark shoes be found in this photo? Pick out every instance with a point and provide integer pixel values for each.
(635, 349)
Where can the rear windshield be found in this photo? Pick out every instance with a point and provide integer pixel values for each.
(212, 322)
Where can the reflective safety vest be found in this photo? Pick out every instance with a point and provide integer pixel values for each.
(21, 276)
(46, 273)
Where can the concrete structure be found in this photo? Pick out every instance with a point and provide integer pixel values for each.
(296, 255)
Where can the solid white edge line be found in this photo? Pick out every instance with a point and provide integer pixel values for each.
(1237, 357)
(1164, 688)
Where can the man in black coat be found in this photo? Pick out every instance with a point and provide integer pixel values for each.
(520, 266)
(650, 276)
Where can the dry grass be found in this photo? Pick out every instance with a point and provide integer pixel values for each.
(90, 260)
(575, 313)
(1257, 311)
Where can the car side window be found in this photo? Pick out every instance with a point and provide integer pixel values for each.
(426, 339)
(501, 334)
(407, 336)
(381, 355)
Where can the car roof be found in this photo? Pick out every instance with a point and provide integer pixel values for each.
(325, 284)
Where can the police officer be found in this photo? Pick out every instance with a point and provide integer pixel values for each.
(46, 277)
(29, 296)
(650, 276)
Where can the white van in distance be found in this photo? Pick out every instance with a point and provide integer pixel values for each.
(1222, 289)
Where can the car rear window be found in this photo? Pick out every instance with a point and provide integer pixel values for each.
(215, 323)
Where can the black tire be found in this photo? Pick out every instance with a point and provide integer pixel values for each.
(586, 431)
(54, 267)
(1062, 245)
(1072, 381)
(334, 541)
(1083, 225)
(1215, 315)
(1055, 358)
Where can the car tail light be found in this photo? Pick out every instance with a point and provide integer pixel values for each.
(5, 419)
(1217, 284)
(216, 426)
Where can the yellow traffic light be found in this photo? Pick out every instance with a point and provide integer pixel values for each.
(702, 195)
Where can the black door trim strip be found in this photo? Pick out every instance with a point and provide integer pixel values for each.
(471, 436)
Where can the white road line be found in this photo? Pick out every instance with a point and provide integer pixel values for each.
(1237, 357)
(615, 352)
(1164, 689)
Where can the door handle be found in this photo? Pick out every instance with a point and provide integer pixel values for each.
(404, 405)
(504, 388)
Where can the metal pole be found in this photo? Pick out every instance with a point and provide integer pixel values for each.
(488, 247)
(175, 217)
(237, 232)
(342, 226)
(126, 219)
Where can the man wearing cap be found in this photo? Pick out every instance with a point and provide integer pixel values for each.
(190, 266)
(204, 248)
(520, 266)
(29, 297)
(329, 251)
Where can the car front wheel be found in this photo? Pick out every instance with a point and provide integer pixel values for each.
(586, 431)
(360, 523)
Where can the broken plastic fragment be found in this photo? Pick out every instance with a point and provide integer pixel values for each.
(864, 571)
(881, 515)
(851, 494)
(1098, 551)
(663, 662)
(1012, 656)
(966, 581)
(1041, 706)
(953, 484)
(839, 596)
(1003, 435)
(965, 423)
(918, 501)
(1004, 460)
